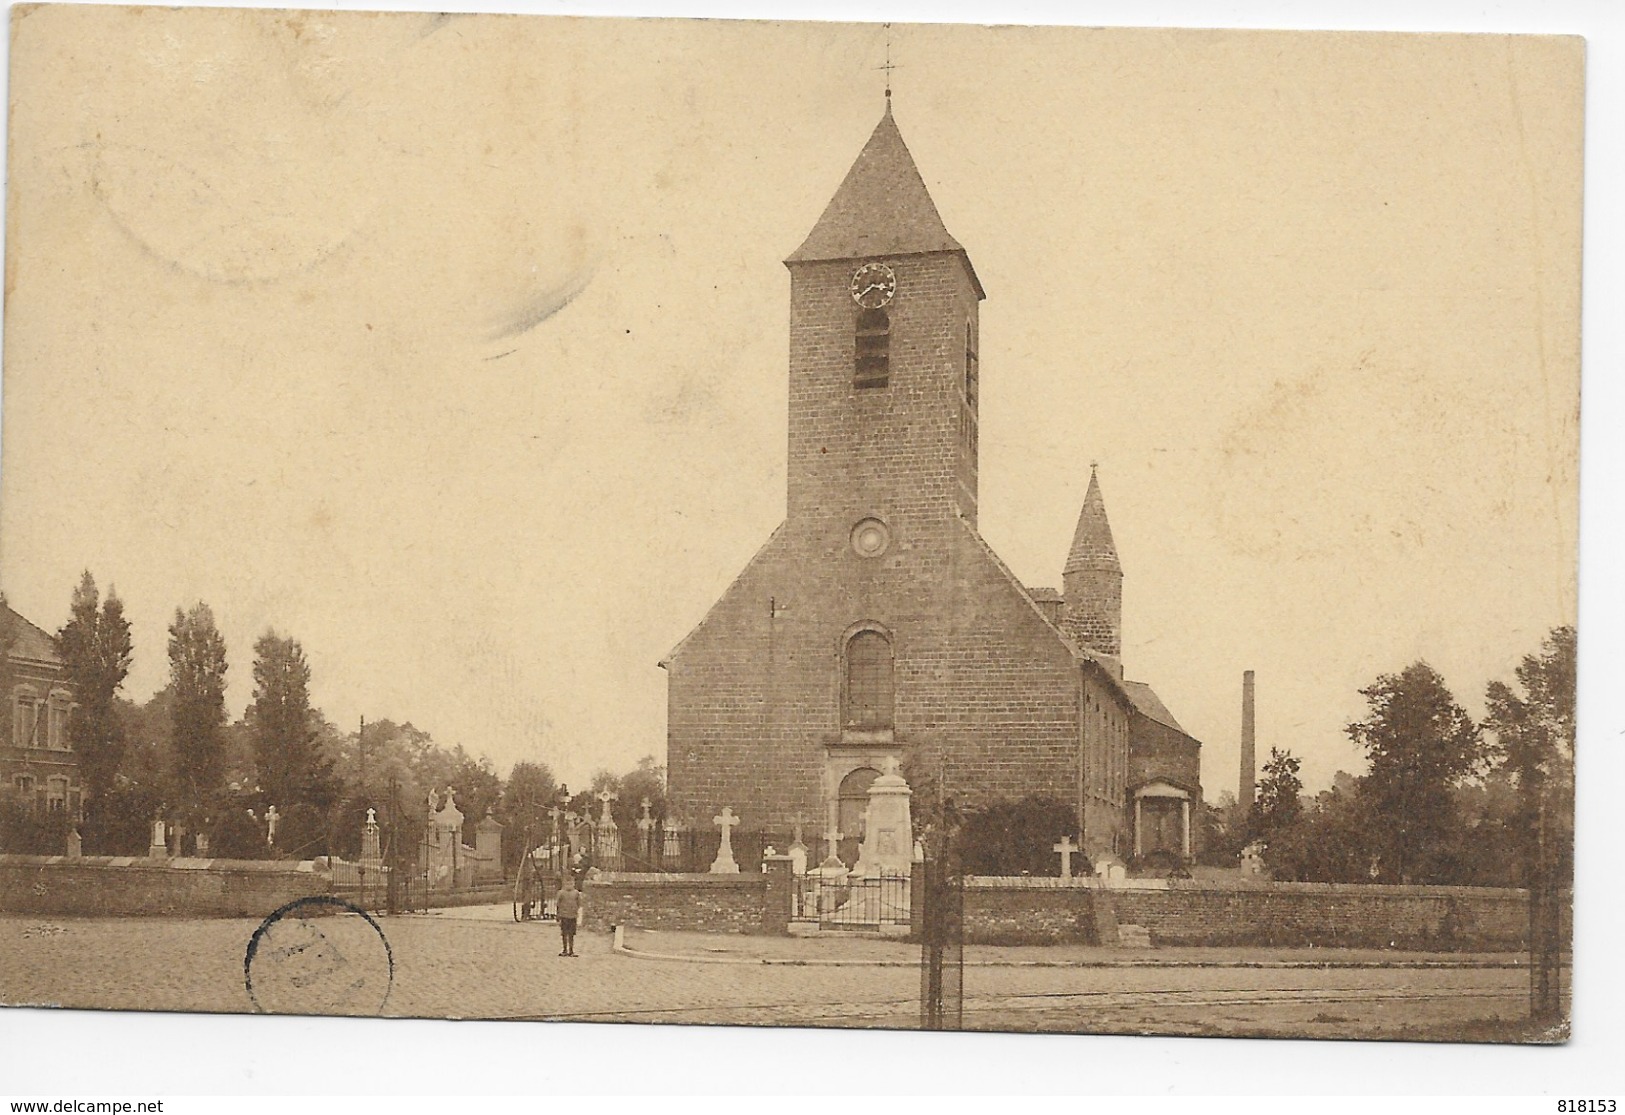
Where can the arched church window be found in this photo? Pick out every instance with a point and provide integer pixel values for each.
(873, 350)
(868, 681)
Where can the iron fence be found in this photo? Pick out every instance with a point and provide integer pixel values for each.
(834, 899)
(363, 884)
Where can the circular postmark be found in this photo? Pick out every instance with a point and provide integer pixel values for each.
(319, 955)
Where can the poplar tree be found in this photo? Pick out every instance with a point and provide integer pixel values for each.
(96, 650)
(291, 766)
(1535, 731)
(197, 678)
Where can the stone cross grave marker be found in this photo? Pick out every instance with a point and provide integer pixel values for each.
(271, 818)
(1066, 848)
(832, 839)
(724, 863)
(607, 796)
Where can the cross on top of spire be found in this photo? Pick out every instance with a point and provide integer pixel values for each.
(888, 67)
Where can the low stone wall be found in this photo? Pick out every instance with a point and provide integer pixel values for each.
(708, 903)
(1180, 912)
(120, 886)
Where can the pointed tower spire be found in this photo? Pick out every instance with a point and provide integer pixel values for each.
(1092, 545)
(881, 208)
(1093, 579)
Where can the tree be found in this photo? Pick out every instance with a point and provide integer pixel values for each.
(1421, 744)
(197, 678)
(1006, 837)
(96, 651)
(1278, 805)
(1223, 831)
(291, 768)
(530, 792)
(1535, 732)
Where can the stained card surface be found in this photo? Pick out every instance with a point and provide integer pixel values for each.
(1037, 529)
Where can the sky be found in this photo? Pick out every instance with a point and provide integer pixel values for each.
(455, 347)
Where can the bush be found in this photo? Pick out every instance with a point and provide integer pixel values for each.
(25, 830)
(1016, 837)
(119, 822)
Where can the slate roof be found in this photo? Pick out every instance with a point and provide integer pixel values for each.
(1148, 704)
(1045, 595)
(881, 208)
(1092, 545)
(31, 641)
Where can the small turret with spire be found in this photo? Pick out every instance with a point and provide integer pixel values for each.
(1092, 582)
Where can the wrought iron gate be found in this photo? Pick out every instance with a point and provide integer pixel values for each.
(942, 944)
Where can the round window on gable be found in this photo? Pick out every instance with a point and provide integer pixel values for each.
(870, 538)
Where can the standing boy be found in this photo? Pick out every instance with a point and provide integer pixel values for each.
(568, 908)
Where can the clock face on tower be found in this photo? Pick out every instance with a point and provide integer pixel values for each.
(873, 285)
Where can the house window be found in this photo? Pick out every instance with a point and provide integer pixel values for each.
(23, 720)
(56, 795)
(60, 709)
(868, 681)
(872, 367)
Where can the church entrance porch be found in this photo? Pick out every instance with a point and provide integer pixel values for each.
(850, 769)
(1162, 823)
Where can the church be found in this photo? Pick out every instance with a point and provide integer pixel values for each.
(876, 623)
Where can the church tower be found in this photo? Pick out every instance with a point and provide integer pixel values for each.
(883, 353)
(1093, 581)
(876, 625)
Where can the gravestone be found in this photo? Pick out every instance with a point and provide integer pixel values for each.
(798, 852)
(646, 825)
(1109, 869)
(833, 861)
(159, 847)
(1066, 849)
(271, 819)
(445, 841)
(724, 863)
(488, 846)
(606, 851)
(370, 853)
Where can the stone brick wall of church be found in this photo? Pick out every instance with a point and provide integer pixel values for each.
(1038, 911)
(104, 886)
(1157, 751)
(981, 680)
(894, 450)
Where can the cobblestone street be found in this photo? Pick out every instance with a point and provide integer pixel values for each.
(472, 965)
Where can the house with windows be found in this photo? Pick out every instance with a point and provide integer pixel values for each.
(37, 763)
(876, 623)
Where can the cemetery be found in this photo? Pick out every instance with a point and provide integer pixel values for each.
(752, 886)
